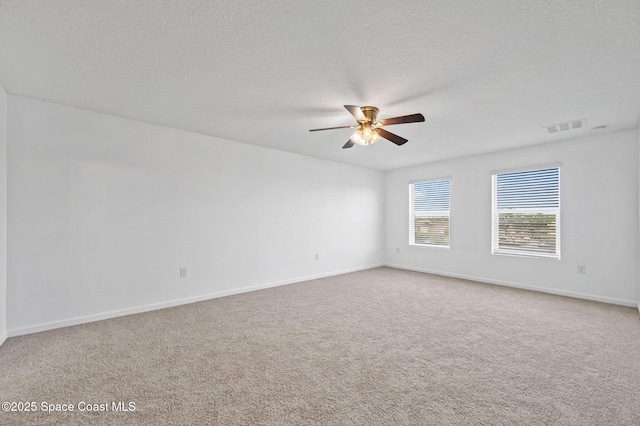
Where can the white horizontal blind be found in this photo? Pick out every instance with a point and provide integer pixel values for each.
(526, 213)
(429, 213)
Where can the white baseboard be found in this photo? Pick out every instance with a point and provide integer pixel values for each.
(3, 337)
(152, 307)
(269, 285)
(576, 295)
(85, 318)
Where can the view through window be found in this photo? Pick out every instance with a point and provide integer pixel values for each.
(526, 213)
(429, 217)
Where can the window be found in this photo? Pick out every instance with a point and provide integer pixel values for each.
(526, 213)
(429, 213)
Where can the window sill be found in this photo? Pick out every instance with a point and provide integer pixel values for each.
(527, 255)
(429, 246)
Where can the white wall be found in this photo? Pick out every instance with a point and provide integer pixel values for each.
(103, 212)
(599, 219)
(3, 215)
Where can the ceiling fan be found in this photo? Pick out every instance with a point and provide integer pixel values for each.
(370, 128)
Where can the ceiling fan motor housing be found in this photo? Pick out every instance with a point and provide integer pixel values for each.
(370, 113)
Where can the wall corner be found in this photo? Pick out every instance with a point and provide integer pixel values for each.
(3, 215)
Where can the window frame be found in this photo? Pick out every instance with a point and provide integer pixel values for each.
(495, 216)
(437, 213)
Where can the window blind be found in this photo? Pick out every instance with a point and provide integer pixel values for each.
(429, 219)
(526, 213)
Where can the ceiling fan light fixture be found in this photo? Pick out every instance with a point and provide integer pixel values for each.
(364, 142)
(367, 132)
(364, 137)
(359, 138)
(376, 137)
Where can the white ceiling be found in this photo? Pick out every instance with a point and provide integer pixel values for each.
(487, 75)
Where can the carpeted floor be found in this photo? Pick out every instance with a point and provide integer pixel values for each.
(381, 346)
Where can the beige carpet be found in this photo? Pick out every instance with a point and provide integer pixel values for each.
(381, 346)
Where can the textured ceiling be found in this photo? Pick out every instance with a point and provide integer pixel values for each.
(487, 75)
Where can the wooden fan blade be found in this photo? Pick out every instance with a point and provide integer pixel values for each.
(332, 128)
(356, 112)
(391, 137)
(413, 118)
(349, 144)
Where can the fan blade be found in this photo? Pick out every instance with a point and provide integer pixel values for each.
(413, 118)
(332, 128)
(349, 144)
(391, 137)
(356, 112)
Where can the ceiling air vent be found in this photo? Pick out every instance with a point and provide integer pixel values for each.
(569, 125)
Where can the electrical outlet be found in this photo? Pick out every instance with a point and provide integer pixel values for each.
(183, 272)
(317, 256)
(582, 269)
(397, 249)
